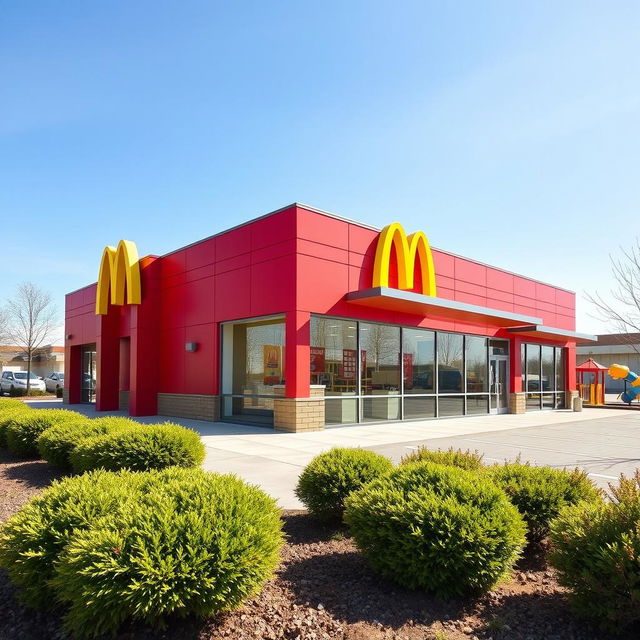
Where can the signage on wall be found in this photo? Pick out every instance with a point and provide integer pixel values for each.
(349, 364)
(272, 364)
(408, 249)
(317, 359)
(118, 267)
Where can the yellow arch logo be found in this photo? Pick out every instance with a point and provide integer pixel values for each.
(408, 249)
(118, 267)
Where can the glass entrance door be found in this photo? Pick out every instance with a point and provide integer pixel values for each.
(88, 385)
(498, 379)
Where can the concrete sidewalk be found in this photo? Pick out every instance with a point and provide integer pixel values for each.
(604, 441)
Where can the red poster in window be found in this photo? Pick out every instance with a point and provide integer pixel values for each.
(407, 367)
(317, 359)
(349, 364)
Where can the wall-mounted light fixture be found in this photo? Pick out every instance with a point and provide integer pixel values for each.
(69, 336)
(191, 346)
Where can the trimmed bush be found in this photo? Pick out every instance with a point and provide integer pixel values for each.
(196, 543)
(140, 448)
(32, 539)
(56, 443)
(596, 550)
(10, 404)
(330, 477)
(438, 528)
(142, 546)
(8, 409)
(469, 460)
(24, 429)
(539, 493)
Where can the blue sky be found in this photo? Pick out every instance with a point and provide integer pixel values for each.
(508, 132)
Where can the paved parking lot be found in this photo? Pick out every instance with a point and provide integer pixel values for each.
(605, 442)
(604, 447)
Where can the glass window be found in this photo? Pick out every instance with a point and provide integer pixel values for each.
(499, 347)
(380, 357)
(477, 405)
(419, 407)
(340, 411)
(377, 409)
(533, 367)
(560, 369)
(450, 368)
(476, 359)
(548, 377)
(418, 361)
(258, 357)
(252, 369)
(450, 406)
(334, 355)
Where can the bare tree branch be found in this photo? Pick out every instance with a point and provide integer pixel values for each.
(625, 316)
(31, 320)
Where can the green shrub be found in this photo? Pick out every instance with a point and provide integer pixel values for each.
(469, 460)
(596, 550)
(539, 493)
(32, 539)
(330, 477)
(443, 529)
(8, 409)
(140, 448)
(196, 543)
(59, 392)
(24, 429)
(142, 546)
(56, 443)
(10, 404)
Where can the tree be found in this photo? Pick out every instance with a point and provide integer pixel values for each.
(624, 313)
(31, 320)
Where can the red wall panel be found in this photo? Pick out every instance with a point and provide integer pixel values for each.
(295, 262)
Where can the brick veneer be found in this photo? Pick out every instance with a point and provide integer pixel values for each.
(300, 414)
(193, 406)
(65, 395)
(517, 403)
(569, 396)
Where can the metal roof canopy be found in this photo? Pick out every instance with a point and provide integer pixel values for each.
(591, 365)
(540, 331)
(419, 304)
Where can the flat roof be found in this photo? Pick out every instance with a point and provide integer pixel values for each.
(344, 219)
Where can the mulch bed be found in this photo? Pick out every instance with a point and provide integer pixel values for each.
(323, 589)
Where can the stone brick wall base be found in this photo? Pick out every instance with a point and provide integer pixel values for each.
(517, 403)
(298, 414)
(65, 395)
(193, 406)
(568, 398)
(123, 400)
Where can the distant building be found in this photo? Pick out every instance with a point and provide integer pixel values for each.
(46, 360)
(613, 348)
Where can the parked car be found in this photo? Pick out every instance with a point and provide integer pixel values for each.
(54, 382)
(18, 380)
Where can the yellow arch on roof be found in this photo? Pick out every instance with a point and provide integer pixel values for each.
(119, 272)
(408, 249)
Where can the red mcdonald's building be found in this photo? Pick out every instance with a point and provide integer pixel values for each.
(301, 319)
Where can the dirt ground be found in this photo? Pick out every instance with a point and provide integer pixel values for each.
(323, 589)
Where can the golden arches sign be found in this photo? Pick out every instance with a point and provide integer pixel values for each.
(408, 250)
(119, 266)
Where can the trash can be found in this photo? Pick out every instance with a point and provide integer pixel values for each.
(577, 403)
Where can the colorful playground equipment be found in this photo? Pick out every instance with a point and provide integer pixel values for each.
(591, 382)
(620, 372)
